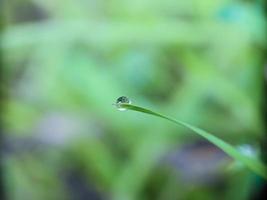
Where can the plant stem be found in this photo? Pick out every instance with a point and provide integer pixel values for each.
(253, 164)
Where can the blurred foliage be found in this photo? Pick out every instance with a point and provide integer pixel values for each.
(66, 62)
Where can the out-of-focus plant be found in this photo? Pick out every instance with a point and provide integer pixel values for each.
(66, 60)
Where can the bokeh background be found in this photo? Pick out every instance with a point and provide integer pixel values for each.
(65, 62)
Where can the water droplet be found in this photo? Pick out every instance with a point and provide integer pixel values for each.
(122, 100)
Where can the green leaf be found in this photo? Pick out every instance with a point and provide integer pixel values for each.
(253, 164)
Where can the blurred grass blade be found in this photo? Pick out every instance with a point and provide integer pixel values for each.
(252, 163)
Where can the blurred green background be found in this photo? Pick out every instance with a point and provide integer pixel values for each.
(65, 62)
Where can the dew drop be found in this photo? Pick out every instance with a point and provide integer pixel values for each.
(122, 100)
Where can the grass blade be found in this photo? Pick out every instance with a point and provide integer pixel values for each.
(253, 164)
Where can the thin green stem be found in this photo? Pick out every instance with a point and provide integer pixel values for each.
(253, 164)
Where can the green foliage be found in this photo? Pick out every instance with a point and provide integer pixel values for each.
(65, 61)
(251, 162)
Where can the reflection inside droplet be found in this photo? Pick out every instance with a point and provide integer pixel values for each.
(122, 100)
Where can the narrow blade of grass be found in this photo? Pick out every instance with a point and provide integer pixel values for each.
(253, 164)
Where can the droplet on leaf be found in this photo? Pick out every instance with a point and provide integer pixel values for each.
(122, 100)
